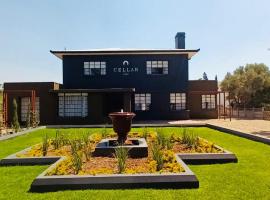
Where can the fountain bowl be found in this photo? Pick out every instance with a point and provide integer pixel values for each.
(122, 124)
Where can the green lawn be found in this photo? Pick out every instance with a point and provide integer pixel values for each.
(247, 179)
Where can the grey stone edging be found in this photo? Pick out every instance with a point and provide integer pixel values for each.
(250, 136)
(5, 137)
(185, 179)
(44, 183)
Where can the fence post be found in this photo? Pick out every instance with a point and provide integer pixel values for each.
(263, 113)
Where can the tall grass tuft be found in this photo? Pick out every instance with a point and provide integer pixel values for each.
(164, 140)
(76, 157)
(189, 138)
(145, 133)
(45, 145)
(86, 147)
(157, 154)
(104, 132)
(121, 155)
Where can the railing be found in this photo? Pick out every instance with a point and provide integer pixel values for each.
(244, 113)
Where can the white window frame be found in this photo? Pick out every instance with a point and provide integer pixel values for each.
(157, 65)
(178, 101)
(208, 101)
(90, 67)
(72, 104)
(142, 101)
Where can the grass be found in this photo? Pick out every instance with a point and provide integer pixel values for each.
(247, 179)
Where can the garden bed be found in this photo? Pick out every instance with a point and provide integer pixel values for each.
(76, 167)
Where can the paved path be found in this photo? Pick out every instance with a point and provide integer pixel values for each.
(5, 137)
(257, 127)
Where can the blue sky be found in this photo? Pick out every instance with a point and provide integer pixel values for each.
(229, 33)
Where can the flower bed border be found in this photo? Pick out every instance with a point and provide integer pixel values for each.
(186, 179)
(44, 183)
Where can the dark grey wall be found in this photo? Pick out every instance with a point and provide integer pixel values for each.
(176, 80)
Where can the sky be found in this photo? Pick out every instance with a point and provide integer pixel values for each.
(229, 33)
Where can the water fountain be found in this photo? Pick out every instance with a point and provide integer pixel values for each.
(122, 125)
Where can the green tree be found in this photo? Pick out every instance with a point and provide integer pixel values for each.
(15, 122)
(205, 76)
(247, 83)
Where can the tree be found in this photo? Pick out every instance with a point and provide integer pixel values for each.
(15, 122)
(247, 83)
(205, 76)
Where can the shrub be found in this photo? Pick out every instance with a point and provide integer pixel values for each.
(189, 138)
(121, 155)
(45, 145)
(59, 140)
(157, 156)
(15, 122)
(28, 117)
(33, 117)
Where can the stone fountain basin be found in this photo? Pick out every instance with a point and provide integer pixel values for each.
(137, 148)
(121, 124)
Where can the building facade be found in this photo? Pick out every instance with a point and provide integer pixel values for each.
(153, 83)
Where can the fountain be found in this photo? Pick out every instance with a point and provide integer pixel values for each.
(122, 125)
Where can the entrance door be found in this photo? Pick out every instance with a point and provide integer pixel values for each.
(113, 102)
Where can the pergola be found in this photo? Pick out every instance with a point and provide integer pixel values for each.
(5, 102)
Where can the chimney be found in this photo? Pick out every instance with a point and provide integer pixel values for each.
(180, 40)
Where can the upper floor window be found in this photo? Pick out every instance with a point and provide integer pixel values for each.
(142, 101)
(178, 101)
(73, 105)
(209, 101)
(157, 67)
(94, 68)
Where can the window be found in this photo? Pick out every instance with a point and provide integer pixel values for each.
(156, 67)
(94, 68)
(142, 101)
(178, 101)
(209, 101)
(25, 102)
(73, 105)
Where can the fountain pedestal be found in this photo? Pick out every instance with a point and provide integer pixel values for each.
(121, 125)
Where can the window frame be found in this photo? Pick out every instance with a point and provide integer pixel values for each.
(68, 109)
(90, 68)
(210, 99)
(178, 101)
(142, 102)
(157, 64)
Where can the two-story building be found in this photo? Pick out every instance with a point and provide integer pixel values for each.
(153, 83)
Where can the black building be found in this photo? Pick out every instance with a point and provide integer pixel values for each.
(153, 83)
